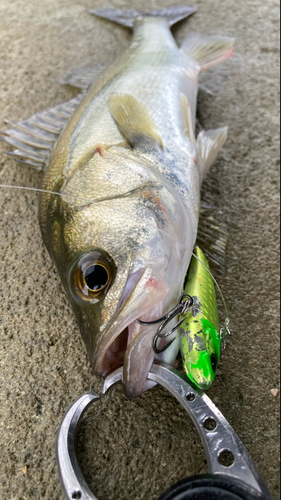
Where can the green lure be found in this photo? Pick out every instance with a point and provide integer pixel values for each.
(199, 332)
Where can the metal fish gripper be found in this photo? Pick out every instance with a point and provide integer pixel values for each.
(232, 475)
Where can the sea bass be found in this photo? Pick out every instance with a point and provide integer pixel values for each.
(124, 159)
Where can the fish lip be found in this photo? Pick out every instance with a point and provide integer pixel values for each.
(104, 348)
(133, 388)
(111, 336)
(144, 292)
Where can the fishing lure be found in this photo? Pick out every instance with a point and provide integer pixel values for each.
(199, 330)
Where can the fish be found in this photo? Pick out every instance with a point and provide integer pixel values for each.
(120, 200)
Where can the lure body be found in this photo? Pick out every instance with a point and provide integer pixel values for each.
(199, 331)
(129, 170)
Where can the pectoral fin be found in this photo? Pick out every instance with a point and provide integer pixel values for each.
(133, 120)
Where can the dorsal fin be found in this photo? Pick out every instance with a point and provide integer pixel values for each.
(133, 120)
(33, 139)
(82, 78)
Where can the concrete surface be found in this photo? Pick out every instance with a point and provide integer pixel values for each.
(138, 449)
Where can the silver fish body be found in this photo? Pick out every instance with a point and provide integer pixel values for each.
(129, 170)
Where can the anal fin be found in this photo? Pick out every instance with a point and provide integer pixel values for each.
(208, 50)
(34, 138)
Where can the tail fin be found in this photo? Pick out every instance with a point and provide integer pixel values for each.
(127, 17)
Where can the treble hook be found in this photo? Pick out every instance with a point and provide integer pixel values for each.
(182, 306)
(224, 333)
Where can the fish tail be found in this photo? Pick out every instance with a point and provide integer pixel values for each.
(128, 17)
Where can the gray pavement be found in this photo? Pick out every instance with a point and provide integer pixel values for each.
(138, 449)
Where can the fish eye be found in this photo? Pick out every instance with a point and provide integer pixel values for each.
(92, 275)
(96, 277)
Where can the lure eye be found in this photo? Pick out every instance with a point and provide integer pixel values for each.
(92, 275)
(96, 277)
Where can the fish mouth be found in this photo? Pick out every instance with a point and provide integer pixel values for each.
(127, 343)
(115, 354)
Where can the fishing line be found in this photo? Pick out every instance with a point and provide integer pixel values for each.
(25, 188)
